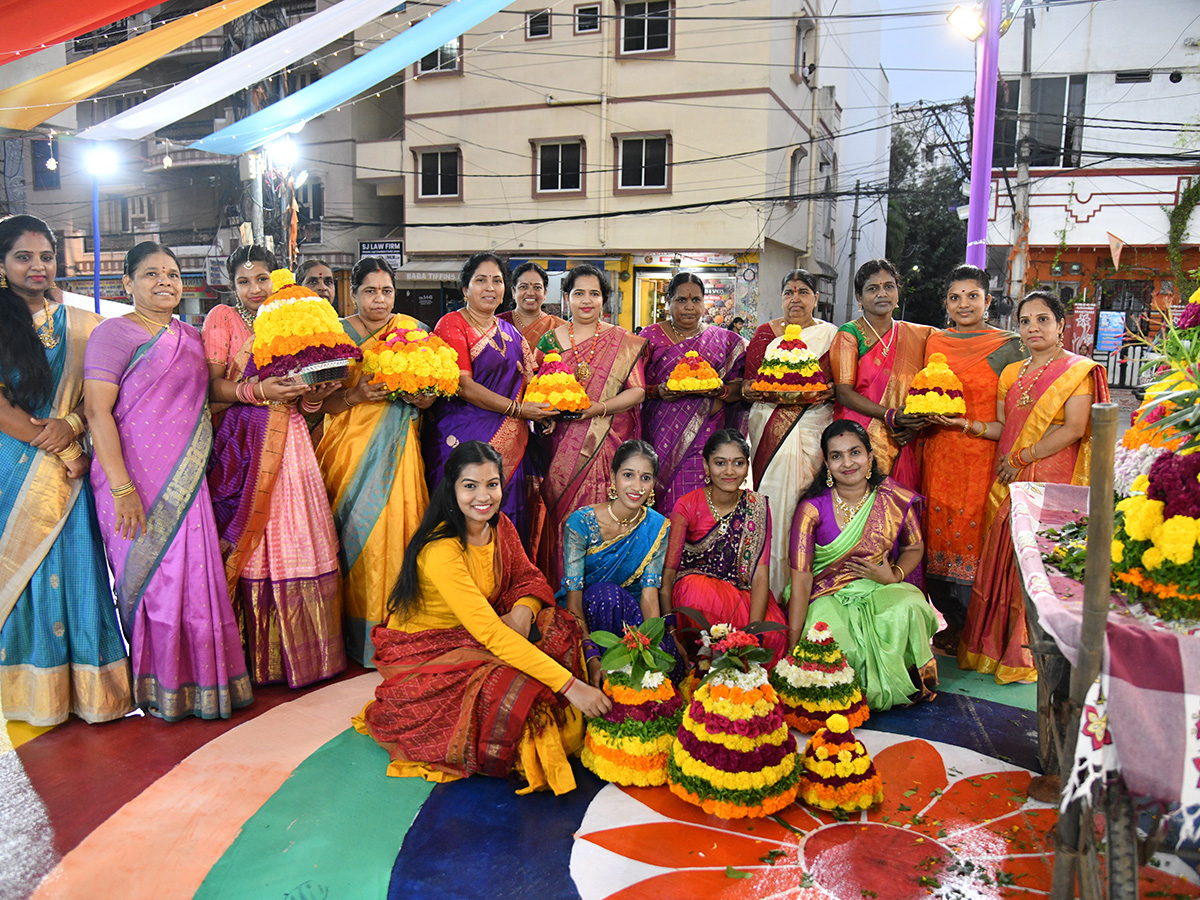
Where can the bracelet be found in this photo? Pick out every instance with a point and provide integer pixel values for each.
(889, 418)
(311, 406)
(969, 426)
(603, 409)
(71, 452)
(76, 423)
(1014, 460)
(982, 429)
(518, 409)
(591, 651)
(123, 490)
(346, 398)
(670, 619)
(566, 687)
(1032, 457)
(900, 569)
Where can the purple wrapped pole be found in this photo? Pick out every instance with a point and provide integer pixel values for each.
(986, 76)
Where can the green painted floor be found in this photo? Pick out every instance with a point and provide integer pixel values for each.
(984, 687)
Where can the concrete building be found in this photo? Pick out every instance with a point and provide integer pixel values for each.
(1113, 151)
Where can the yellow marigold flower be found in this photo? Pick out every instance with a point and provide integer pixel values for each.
(1118, 551)
(1152, 558)
(1141, 484)
(1142, 517)
(1177, 539)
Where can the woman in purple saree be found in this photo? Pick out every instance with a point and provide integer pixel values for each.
(678, 424)
(146, 389)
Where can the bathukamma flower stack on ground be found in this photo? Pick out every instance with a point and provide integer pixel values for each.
(815, 681)
(837, 772)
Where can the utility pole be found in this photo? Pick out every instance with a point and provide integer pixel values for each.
(1016, 284)
(256, 197)
(853, 256)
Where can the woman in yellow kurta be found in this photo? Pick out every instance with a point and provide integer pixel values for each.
(465, 689)
(370, 458)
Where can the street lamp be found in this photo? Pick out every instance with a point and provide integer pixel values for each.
(100, 160)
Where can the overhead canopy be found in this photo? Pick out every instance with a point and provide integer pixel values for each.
(429, 270)
(34, 101)
(29, 27)
(231, 75)
(290, 113)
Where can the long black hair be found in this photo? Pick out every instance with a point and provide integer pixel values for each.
(249, 253)
(24, 370)
(134, 257)
(443, 519)
(842, 426)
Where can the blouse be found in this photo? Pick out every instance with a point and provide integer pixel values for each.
(577, 545)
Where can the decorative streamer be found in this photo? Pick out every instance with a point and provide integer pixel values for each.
(36, 100)
(240, 71)
(25, 30)
(290, 113)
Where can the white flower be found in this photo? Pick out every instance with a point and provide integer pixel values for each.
(747, 681)
(652, 681)
(805, 678)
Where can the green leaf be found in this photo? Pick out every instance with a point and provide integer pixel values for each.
(910, 792)
(653, 629)
(763, 627)
(785, 824)
(605, 638)
(695, 615)
(647, 656)
(616, 658)
(731, 872)
(773, 855)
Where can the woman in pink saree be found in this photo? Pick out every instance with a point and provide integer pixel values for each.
(608, 362)
(678, 424)
(874, 359)
(146, 391)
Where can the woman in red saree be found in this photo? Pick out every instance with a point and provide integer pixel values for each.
(608, 363)
(874, 359)
(530, 282)
(465, 687)
(1043, 408)
(958, 466)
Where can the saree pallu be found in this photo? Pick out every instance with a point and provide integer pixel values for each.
(535, 332)
(715, 566)
(882, 376)
(174, 604)
(958, 469)
(498, 361)
(279, 544)
(581, 451)
(60, 644)
(786, 442)
(679, 428)
(884, 629)
(996, 631)
(370, 459)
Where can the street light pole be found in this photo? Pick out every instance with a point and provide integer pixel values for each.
(987, 74)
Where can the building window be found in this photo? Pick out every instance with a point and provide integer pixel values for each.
(1056, 115)
(310, 197)
(559, 167)
(644, 163)
(444, 59)
(537, 25)
(587, 18)
(45, 179)
(804, 61)
(439, 173)
(138, 212)
(646, 27)
(798, 174)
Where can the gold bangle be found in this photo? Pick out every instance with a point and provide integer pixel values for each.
(71, 452)
(123, 490)
(75, 421)
(346, 398)
(603, 409)
(899, 569)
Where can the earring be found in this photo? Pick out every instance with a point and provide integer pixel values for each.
(612, 492)
(707, 480)
(3, 281)
(871, 468)
(828, 478)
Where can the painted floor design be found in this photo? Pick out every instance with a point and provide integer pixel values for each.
(287, 801)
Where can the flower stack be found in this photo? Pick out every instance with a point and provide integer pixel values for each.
(735, 756)
(693, 374)
(837, 771)
(789, 366)
(936, 390)
(412, 361)
(630, 743)
(297, 332)
(815, 681)
(557, 385)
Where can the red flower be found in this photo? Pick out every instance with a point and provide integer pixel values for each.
(634, 639)
(737, 639)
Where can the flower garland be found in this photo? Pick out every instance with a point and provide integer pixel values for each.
(412, 361)
(557, 385)
(816, 681)
(936, 390)
(693, 374)
(295, 328)
(837, 772)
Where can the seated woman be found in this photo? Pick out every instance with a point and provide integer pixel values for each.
(614, 555)
(856, 539)
(464, 688)
(720, 542)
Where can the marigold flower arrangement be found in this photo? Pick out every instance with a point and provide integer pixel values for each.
(412, 361)
(693, 374)
(557, 385)
(297, 331)
(629, 744)
(789, 366)
(734, 756)
(815, 681)
(837, 771)
(936, 390)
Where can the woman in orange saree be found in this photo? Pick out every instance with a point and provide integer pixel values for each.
(1044, 434)
(958, 465)
(608, 363)
(874, 359)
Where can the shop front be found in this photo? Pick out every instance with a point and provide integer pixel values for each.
(730, 287)
(198, 295)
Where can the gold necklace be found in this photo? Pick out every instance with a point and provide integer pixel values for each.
(845, 508)
(583, 369)
(246, 313)
(1025, 400)
(46, 332)
(682, 337)
(154, 327)
(887, 348)
(625, 523)
(488, 333)
(518, 319)
(722, 520)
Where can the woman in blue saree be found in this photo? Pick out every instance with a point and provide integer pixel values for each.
(60, 644)
(614, 554)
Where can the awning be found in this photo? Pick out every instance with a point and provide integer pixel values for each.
(437, 270)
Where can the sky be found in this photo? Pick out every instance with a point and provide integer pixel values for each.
(924, 57)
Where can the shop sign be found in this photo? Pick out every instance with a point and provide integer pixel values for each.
(392, 251)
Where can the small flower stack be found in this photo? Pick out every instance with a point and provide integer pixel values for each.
(298, 332)
(789, 366)
(693, 374)
(815, 681)
(837, 770)
(936, 390)
(412, 361)
(630, 743)
(735, 756)
(557, 385)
